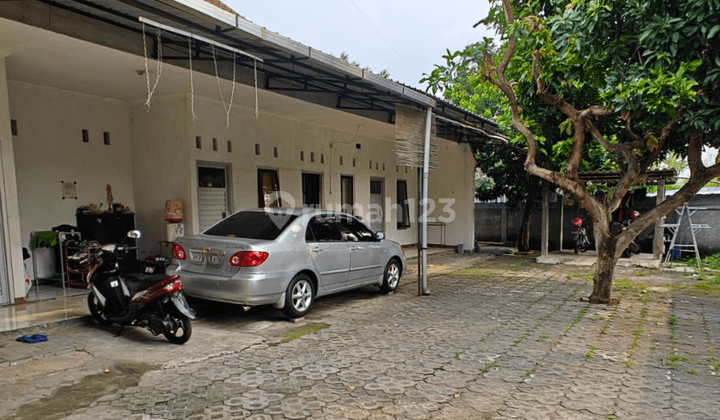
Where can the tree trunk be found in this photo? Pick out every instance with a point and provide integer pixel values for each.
(524, 233)
(604, 269)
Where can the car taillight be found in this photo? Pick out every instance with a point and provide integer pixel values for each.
(178, 252)
(248, 258)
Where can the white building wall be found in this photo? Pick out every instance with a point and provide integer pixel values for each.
(157, 136)
(49, 149)
(153, 158)
(292, 136)
(161, 168)
(454, 181)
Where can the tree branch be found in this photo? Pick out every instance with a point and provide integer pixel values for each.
(511, 42)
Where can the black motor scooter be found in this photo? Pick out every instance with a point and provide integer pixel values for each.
(634, 246)
(155, 302)
(580, 239)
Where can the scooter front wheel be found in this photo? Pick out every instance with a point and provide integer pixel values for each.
(96, 311)
(182, 333)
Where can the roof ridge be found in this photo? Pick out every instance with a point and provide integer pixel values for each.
(221, 5)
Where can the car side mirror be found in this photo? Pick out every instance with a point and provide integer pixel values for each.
(379, 236)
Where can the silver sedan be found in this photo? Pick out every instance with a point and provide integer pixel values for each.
(285, 257)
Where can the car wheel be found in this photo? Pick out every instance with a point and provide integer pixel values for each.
(391, 278)
(96, 311)
(299, 296)
(183, 332)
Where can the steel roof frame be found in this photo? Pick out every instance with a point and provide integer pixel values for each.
(292, 73)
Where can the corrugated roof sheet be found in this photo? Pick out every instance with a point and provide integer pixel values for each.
(654, 175)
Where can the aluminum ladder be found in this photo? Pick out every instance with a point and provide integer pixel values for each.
(686, 211)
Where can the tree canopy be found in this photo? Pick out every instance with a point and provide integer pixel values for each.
(633, 80)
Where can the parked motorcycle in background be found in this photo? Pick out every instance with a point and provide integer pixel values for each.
(579, 234)
(634, 246)
(155, 302)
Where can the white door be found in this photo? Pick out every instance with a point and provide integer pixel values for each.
(213, 200)
(376, 213)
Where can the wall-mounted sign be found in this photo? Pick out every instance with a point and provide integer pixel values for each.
(69, 190)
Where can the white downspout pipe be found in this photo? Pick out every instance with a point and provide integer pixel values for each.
(425, 176)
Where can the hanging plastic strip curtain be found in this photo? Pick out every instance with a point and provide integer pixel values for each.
(410, 137)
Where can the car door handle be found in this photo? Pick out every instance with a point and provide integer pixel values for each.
(316, 249)
(354, 248)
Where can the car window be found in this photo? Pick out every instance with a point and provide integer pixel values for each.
(323, 229)
(355, 231)
(252, 225)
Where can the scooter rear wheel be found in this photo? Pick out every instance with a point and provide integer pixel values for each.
(182, 334)
(96, 311)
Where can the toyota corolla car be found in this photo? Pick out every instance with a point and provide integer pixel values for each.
(285, 257)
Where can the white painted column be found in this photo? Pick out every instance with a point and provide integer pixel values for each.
(425, 177)
(545, 220)
(9, 209)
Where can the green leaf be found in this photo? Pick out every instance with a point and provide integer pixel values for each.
(713, 31)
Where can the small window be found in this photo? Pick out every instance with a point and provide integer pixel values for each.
(106, 138)
(376, 166)
(341, 162)
(354, 162)
(322, 158)
(198, 142)
(383, 166)
(312, 156)
(397, 168)
(13, 127)
(210, 177)
(403, 210)
(215, 144)
(371, 164)
(302, 156)
(85, 136)
(268, 188)
(257, 149)
(275, 151)
(323, 229)
(229, 145)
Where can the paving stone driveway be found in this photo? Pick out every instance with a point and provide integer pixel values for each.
(506, 339)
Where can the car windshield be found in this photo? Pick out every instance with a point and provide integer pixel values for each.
(252, 225)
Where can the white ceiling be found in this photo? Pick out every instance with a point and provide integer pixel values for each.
(49, 59)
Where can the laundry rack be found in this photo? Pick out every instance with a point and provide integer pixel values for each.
(63, 238)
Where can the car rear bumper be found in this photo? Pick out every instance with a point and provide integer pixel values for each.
(252, 290)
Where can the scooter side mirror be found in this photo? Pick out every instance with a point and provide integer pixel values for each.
(134, 234)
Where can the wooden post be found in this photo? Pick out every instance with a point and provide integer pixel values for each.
(545, 220)
(562, 219)
(659, 230)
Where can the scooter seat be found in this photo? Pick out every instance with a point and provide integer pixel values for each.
(137, 282)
